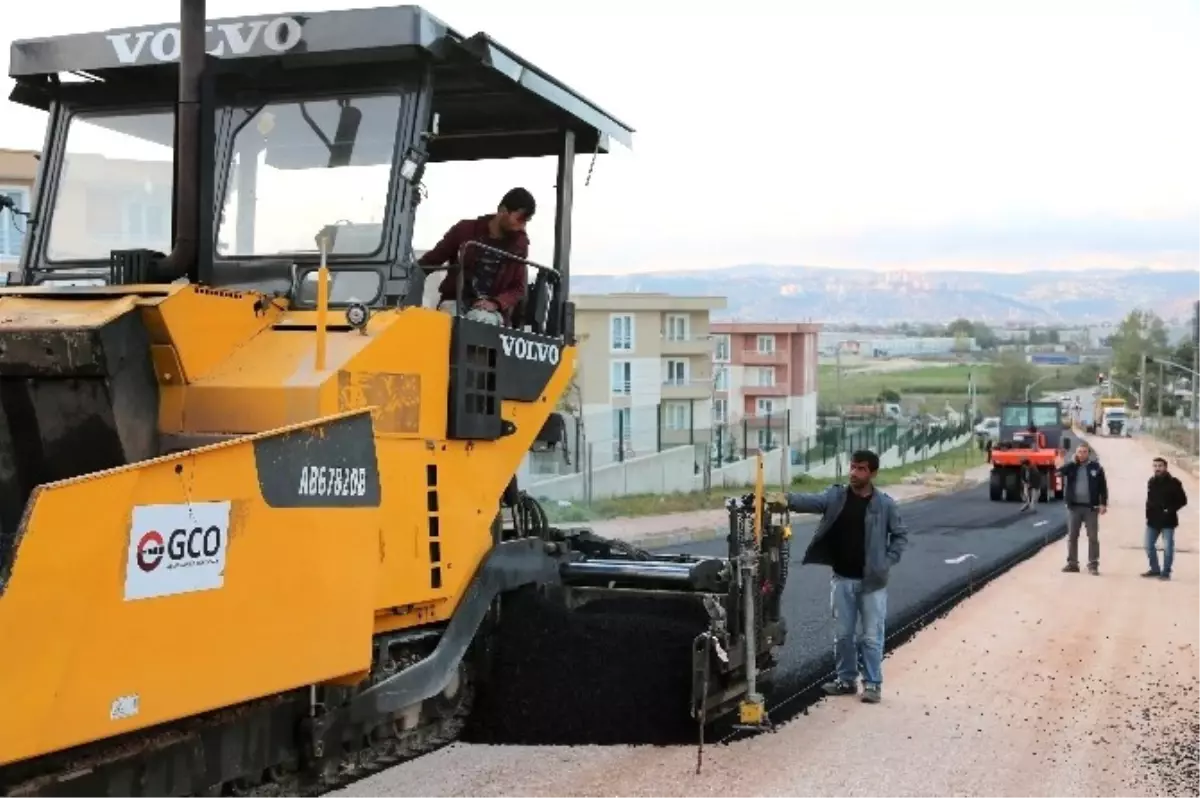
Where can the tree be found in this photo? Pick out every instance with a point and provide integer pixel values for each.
(965, 328)
(1140, 333)
(888, 395)
(1088, 375)
(960, 327)
(984, 337)
(1009, 376)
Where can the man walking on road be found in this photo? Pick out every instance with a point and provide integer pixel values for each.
(1086, 494)
(861, 535)
(1030, 485)
(1165, 497)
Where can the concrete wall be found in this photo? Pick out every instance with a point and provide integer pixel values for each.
(671, 471)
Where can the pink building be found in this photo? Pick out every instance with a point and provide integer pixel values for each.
(765, 375)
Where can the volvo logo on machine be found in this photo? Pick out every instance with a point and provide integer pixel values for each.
(533, 351)
(264, 36)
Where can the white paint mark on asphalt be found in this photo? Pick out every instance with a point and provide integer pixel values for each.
(1041, 523)
(957, 560)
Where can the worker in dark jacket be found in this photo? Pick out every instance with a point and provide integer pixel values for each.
(1031, 485)
(1165, 497)
(492, 284)
(1085, 491)
(861, 536)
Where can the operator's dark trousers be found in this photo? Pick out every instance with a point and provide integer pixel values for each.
(1077, 516)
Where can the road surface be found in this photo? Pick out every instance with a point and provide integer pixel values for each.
(994, 679)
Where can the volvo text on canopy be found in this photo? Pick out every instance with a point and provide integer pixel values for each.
(292, 127)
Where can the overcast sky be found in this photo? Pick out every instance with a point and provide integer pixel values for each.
(998, 134)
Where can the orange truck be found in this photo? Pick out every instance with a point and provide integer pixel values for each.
(1007, 458)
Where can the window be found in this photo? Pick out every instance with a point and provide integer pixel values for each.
(766, 344)
(622, 378)
(622, 421)
(676, 372)
(621, 337)
(1043, 416)
(677, 328)
(721, 411)
(721, 378)
(116, 185)
(764, 407)
(12, 226)
(765, 439)
(290, 183)
(676, 415)
(766, 376)
(721, 349)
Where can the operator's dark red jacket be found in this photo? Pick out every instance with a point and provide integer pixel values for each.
(511, 280)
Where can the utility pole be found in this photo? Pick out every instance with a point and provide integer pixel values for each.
(1142, 388)
(1162, 376)
(837, 354)
(1195, 367)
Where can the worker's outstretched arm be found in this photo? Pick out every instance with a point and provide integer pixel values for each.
(808, 502)
(897, 530)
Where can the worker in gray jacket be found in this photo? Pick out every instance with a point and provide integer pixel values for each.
(1085, 492)
(861, 536)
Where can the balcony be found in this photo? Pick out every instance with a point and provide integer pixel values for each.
(687, 346)
(686, 389)
(765, 390)
(752, 357)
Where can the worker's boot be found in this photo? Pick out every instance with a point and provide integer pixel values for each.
(1070, 568)
(838, 687)
(872, 694)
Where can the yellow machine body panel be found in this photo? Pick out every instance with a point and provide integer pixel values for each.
(93, 647)
(304, 586)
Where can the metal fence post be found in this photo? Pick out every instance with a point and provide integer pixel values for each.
(621, 435)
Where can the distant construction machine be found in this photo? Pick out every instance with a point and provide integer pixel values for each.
(258, 515)
(1029, 432)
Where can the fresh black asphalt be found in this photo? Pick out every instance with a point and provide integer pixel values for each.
(607, 678)
(956, 541)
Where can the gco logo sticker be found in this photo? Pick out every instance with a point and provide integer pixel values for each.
(176, 548)
(185, 548)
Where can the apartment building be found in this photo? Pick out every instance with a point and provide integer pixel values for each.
(644, 370)
(18, 169)
(765, 376)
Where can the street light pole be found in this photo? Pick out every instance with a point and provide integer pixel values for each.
(1162, 376)
(1142, 388)
(1034, 384)
(1195, 367)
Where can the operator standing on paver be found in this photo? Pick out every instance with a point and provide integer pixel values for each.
(861, 535)
(1086, 495)
(1165, 497)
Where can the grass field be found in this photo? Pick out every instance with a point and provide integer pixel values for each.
(932, 385)
(952, 461)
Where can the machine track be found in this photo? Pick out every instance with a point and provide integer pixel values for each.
(254, 749)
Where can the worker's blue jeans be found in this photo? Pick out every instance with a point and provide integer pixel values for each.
(858, 626)
(1168, 536)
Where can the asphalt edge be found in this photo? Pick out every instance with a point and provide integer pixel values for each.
(937, 606)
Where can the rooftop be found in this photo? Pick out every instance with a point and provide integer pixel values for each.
(763, 327)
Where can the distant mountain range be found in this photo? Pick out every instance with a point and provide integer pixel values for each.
(845, 296)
